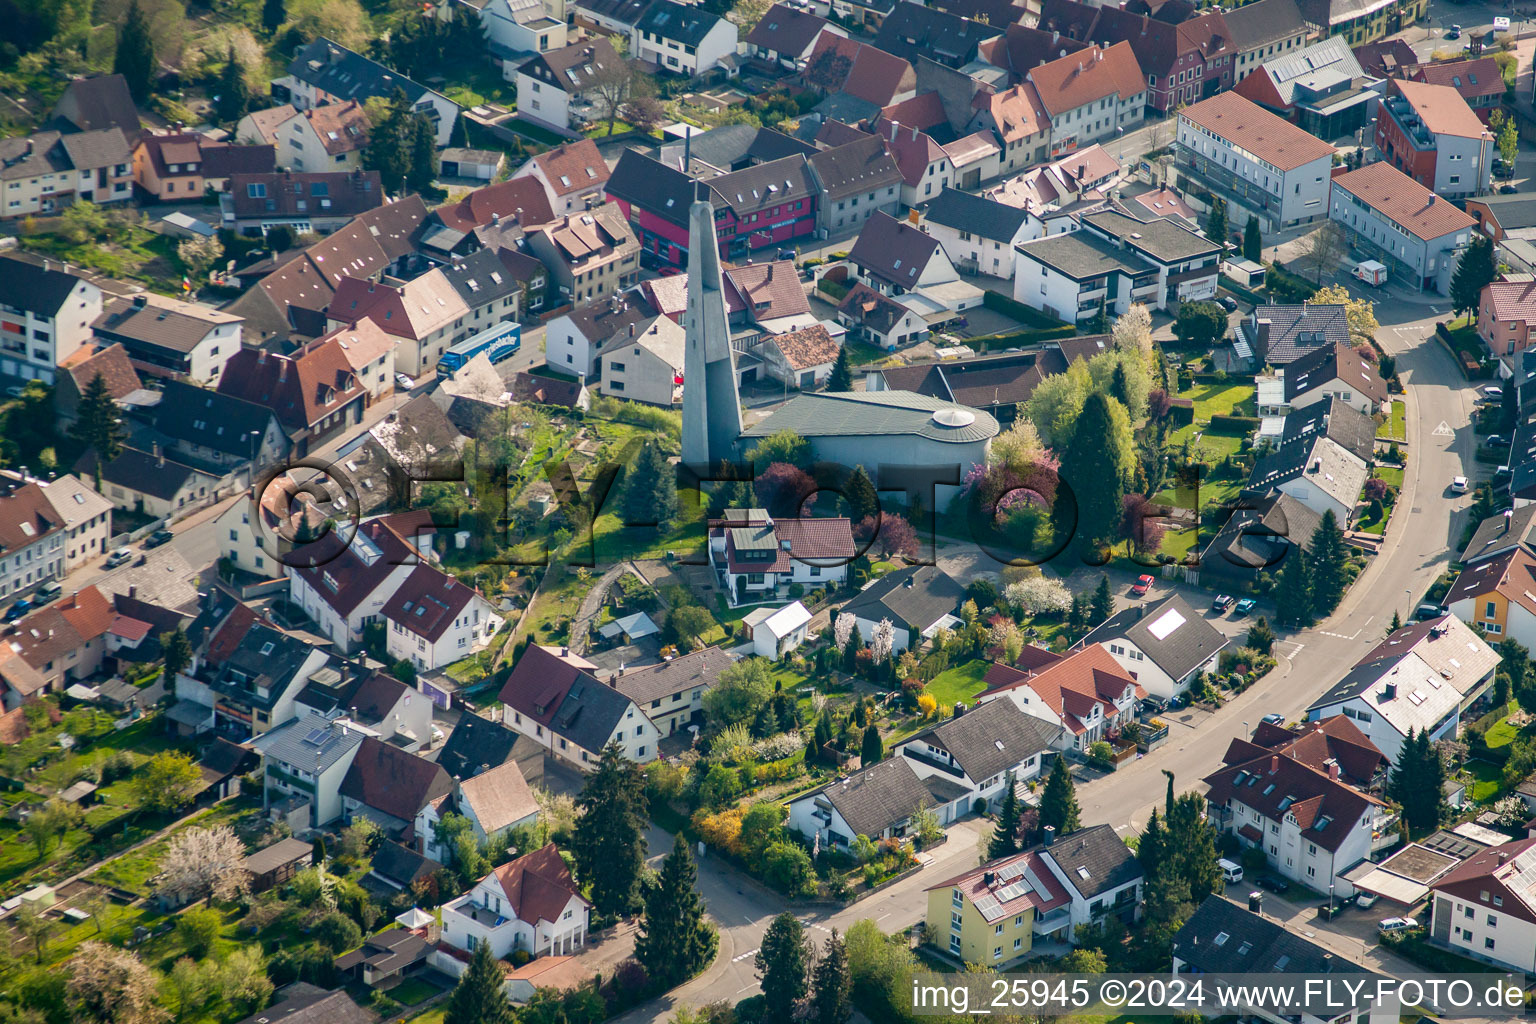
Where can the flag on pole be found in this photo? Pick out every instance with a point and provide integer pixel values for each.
(186, 284)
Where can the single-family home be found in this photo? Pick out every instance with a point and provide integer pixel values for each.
(1485, 909)
(1257, 538)
(308, 758)
(326, 138)
(495, 801)
(1317, 471)
(672, 693)
(857, 180)
(324, 72)
(978, 234)
(530, 904)
(1163, 645)
(516, 28)
(874, 319)
(893, 257)
(150, 483)
(1337, 373)
(800, 359)
(478, 744)
(1479, 80)
(557, 87)
(917, 600)
(573, 175)
(392, 788)
(977, 751)
(347, 581)
(573, 340)
(644, 363)
(314, 392)
(865, 74)
(555, 697)
(426, 313)
(876, 802)
(1086, 695)
(757, 558)
(785, 36)
(433, 620)
(682, 39)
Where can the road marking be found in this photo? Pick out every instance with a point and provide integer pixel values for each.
(821, 927)
(743, 956)
(1444, 430)
(883, 916)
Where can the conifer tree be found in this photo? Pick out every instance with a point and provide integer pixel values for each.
(1253, 244)
(1293, 590)
(675, 941)
(841, 377)
(422, 164)
(831, 984)
(234, 97)
(135, 57)
(1091, 466)
(1058, 804)
(863, 500)
(1103, 601)
(1330, 563)
(650, 490)
(478, 998)
(1005, 831)
(97, 421)
(871, 748)
(782, 963)
(1216, 222)
(609, 838)
(273, 14)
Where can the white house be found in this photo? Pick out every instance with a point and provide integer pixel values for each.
(45, 316)
(1485, 907)
(1100, 874)
(671, 694)
(573, 340)
(495, 802)
(1336, 371)
(1163, 645)
(1388, 216)
(530, 904)
(756, 556)
(327, 72)
(186, 338)
(1090, 95)
(645, 363)
(85, 515)
(433, 620)
(893, 257)
(555, 697)
(1318, 472)
(352, 578)
(523, 26)
(917, 601)
(682, 39)
(777, 631)
(573, 174)
(876, 802)
(308, 758)
(1086, 694)
(977, 233)
(973, 753)
(556, 88)
(326, 138)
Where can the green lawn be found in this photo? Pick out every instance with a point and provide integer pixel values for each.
(1179, 543)
(1395, 428)
(1503, 732)
(412, 991)
(959, 683)
(1229, 399)
(860, 354)
(1393, 475)
(1487, 779)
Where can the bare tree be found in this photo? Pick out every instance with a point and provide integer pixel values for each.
(828, 70)
(108, 985)
(610, 89)
(205, 862)
(34, 927)
(1323, 249)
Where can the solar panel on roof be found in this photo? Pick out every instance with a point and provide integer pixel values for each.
(315, 737)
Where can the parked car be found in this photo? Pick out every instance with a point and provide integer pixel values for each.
(1274, 883)
(157, 538)
(1495, 441)
(1493, 391)
(403, 382)
(1454, 33)
(18, 609)
(1508, 190)
(1229, 304)
(118, 557)
(1273, 719)
(47, 592)
(1142, 585)
(1222, 603)
(1429, 610)
(1366, 900)
(1397, 924)
(1459, 484)
(1245, 607)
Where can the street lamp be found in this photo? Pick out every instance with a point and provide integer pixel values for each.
(1408, 606)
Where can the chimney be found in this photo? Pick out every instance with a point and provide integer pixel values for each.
(959, 709)
(988, 878)
(282, 371)
(1508, 514)
(631, 330)
(139, 301)
(914, 133)
(133, 590)
(1389, 692)
(1048, 835)
(907, 582)
(1333, 769)
(894, 126)
(1274, 763)
(495, 218)
(159, 455)
(565, 652)
(1431, 199)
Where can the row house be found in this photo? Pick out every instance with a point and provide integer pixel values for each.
(426, 313)
(344, 583)
(589, 255)
(757, 557)
(215, 429)
(328, 138)
(181, 166)
(785, 36)
(856, 180)
(46, 314)
(32, 536)
(1087, 694)
(1090, 95)
(325, 72)
(682, 39)
(912, 30)
(44, 172)
(1478, 81)
(1396, 220)
(1432, 135)
(868, 74)
(1020, 122)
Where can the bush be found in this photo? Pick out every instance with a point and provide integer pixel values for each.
(1010, 306)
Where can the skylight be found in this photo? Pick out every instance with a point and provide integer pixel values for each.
(1164, 625)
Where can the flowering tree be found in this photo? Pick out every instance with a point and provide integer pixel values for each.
(1019, 447)
(890, 535)
(1141, 524)
(782, 488)
(842, 629)
(205, 862)
(1133, 331)
(107, 984)
(1039, 595)
(884, 639)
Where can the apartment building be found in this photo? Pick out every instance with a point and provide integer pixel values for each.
(1430, 133)
(1396, 220)
(172, 338)
(326, 72)
(1090, 95)
(45, 317)
(589, 255)
(46, 171)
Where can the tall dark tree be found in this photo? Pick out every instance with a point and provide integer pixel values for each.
(1058, 804)
(97, 421)
(650, 490)
(1395, 625)
(135, 57)
(1293, 590)
(1119, 387)
(478, 998)
(841, 377)
(1153, 846)
(831, 984)
(871, 748)
(1191, 847)
(1253, 243)
(1216, 222)
(863, 499)
(177, 651)
(1103, 600)
(1417, 781)
(390, 136)
(675, 941)
(851, 650)
(458, 135)
(1005, 830)
(609, 839)
(1092, 468)
(234, 97)
(422, 169)
(273, 14)
(1168, 796)
(1330, 565)
(782, 963)
(1475, 271)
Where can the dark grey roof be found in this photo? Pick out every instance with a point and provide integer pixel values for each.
(876, 798)
(401, 865)
(651, 185)
(477, 744)
(573, 68)
(1358, 680)
(1259, 537)
(312, 743)
(348, 75)
(719, 147)
(264, 658)
(1294, 331)
(602, 320)
(911, 31)
(762, 186)
(1350, 427)
(893, 250)
(480, 278)
(624, 11)
(847, 108)
(1082, 256)
(91, 104)
(917, 596)
(26, 285)
(1516, 211)
(210, 418)
(991, 738)
(322, 1008)
(786, 30)
(1270, 948)
(687, 25)
(138, 470)
(1094, 860)
(862, 165)
(1160, 238)
(1334, 362)
(1267, 21)
(1496, 534)
(1184, 647)
(647, 683)
(769, 144)
(976, 214)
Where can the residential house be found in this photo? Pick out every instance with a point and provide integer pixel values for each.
(1387, 58)
(1262, 31)
(1279, 335)
(732, 147)
(478, 744)
(1329, 745)
(44, 172)
(312, 1006)
(646, 365)
(78, 371)
(385, 956)
(1321, 89)
(609, 17)
(681, 39)
(918, 601)
(167, 337)
(426, 313)
(1490, 591)
(490, 292)
(149, 483)
(555, 697)
(392, 788)
(33, 535)
(516, 28)
(318, 201)
(1479, 80)
(1485, 909)
(492, 217)
(672, 693)
(1260, 534)
(589, 255)
(1022, 47)
(1358, 24)
(1392, 218)
(801, 359)
(1311, 825)
(1186, 262)
(308, 758)
(774, 632)
(45, 317)
(1262, 165)
(567, 394)
(1421, 678)
(1506, 311)
(998, 383)
(1163, 645)
(893, 257)
(1432, 135)
(86, 517)
(911, 31)
(495, 802)
(315, 392)
(573, 175)
(978, 234)
(1019, 122)
(978, 751)
(1074, 276)
(1090, 95)
(767, 295)
(370, 353)
(326, 138)
(756, 556)
(1087, 694)
(785, 36)
(215, 430)
(865, 74)
(1336, 373)
(96, 103)
(433, 620)
(326, 72)
(557, 87)
(573, 340)
(857, 180)
(385, 706)
(530, 904)
(348, 581)
(62, 642)
(877, 802)
(876, 320)
(181, 166)
(1317, 471)
(926, 168)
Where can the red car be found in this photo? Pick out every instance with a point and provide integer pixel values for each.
(1143, 584)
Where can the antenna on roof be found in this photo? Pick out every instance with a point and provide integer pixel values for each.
(687, 147)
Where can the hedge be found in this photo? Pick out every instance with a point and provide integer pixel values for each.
(832, 288)
(1235, 424)
(1241, 292)
(1009, 306)
(1285, 286)
(1016, 339)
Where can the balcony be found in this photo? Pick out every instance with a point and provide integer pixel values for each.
(482, 916)
(1407, 119)
(1225, 182)
(1048, 923)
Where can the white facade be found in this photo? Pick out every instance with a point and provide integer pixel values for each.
(525, 26)
(1483, 931)
(989, 255)
(87, 518)
(1047, 289)
(929, 761)
(1151, 676)
(1300, 859)
(635, 734)
(1097, 119)
(1427, 263)
(1292, 196)
(484, 914)
(34, 342)
(470, 631)
(681, 58)
(645, 367)
(776, 633)
(348, 630)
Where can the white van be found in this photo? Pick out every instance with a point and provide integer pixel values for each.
(1371, 272)
(1230, 872)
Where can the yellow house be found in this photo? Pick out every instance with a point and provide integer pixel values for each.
(988, 915)
(1498, 595)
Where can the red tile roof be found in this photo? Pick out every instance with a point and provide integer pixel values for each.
(392, 780)
(340, 576)
(302, 389)
(1267, 136)
(538, 885)
(503, 199)
(925, 110)
(807, 348)
(1017, 113)
(874, 76)
(1512, 300)
(1471, 78)
(1403, 201)
(427, 602)
(1081, 78)
(1276, 785)
(1442, 109)
(573, 167)
(1071, 686)
(829, 539)
(1498, 870)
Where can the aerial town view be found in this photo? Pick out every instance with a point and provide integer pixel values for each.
(735, 512)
